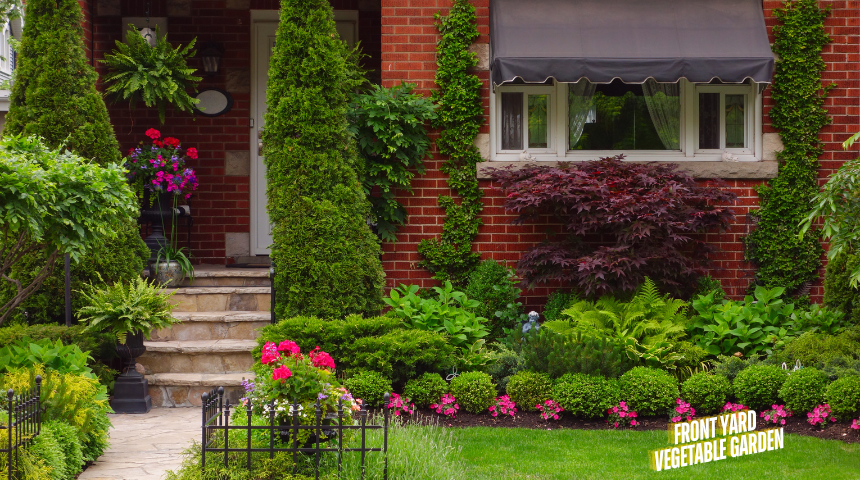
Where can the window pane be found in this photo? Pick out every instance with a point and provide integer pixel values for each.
(512, 121)
(709, 121)
(538, 121)
(735, 132)
(619, 118)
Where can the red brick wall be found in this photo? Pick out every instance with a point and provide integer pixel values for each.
(408, 55)
(222, 203)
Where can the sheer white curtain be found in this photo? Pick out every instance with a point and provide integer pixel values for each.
(581, 102)
(664, 105)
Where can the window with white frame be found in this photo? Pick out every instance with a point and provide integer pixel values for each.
(6, 51)
(675, 121)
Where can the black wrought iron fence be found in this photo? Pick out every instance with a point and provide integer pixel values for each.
(22, 423)
(216, 430)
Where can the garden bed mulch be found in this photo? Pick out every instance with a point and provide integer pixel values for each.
(797, 425)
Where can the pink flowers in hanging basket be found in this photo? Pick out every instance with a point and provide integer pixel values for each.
(160, 166)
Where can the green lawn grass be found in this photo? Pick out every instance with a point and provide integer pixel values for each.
(509, 454)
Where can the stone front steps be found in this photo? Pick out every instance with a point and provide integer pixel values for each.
(221, 312)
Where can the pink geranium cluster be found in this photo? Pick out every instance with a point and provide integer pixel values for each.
(819, 415)
(621, 416)
(270, 354)
(321, 359)
(733, 407)
(683, 412)
(447, 406)
(503, 405)
(776, 415)
(290, 348)
(160, 167)
(401, 405)
(282, 373)
(549, 409)
(856, 424)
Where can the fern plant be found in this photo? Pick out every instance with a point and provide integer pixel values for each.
(126, 309)
(157, 75)
(648, 318)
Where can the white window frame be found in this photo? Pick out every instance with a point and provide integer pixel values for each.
(749, 124)
(689, 91)
(552, 118)
(6, 51)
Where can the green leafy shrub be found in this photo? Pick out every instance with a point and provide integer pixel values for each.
(100, 345)
(648, 391)
(838, 292)
(389, 126)
(756, 325)
(694, 359)
(814, 349)
(382, 344)
(586, 395)
(706, 392)
(503, 364)
(843, 396)
(816, 318)
(838, 367)
(451, 312)
(758, 386)
(67, 438)
(48, 449)
(494, 287)
(803, 390)
(730, 366)
(557, 302)
(527, 389)
(426, 389)
(327, 260)
(707, 284)
(124, 309)
(557, 354)
(474, 391)
(369, 386)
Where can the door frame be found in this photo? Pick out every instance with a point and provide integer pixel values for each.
(255, 122)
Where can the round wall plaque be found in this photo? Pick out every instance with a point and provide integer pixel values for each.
(213, 102)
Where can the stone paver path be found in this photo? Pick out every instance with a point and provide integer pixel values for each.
(145, 447)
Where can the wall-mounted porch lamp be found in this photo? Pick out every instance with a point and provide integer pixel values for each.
(211, 56)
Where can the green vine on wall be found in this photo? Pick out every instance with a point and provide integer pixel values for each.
(783, 258)
(450, 256)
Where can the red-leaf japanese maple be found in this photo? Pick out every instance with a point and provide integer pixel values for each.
(625, 221)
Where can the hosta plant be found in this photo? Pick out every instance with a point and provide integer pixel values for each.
(125, 309)
(624, 221)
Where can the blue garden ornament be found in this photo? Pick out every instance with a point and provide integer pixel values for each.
(532, 322)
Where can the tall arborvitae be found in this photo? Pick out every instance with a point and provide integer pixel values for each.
(326, 258)
(54, 96)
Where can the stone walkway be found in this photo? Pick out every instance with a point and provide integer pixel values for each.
(145, 447)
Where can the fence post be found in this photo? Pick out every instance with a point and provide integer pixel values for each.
(272, 294)
(386, 409)
(205, 399)
(10, 394)
(339, 437)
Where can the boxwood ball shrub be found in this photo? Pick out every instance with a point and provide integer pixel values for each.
(706, 392)
(648, 391)
(758, 386)
(474, 391)
(426, 389)
(369, 386)
(527, 389)
(586, 395)
(843, 395)
(804, 390)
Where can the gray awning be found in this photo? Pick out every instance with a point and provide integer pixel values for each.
(600, 40)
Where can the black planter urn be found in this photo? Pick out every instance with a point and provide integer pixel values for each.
(160, 215)
(131, 390)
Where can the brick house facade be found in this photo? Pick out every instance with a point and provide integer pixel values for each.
(399, 37)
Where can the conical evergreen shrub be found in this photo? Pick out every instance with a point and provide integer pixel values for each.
(54, 96)
(326, 258)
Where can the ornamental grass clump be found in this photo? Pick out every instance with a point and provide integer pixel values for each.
(647, 216)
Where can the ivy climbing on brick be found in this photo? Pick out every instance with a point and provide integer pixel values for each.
(784, 259)
(450, 257)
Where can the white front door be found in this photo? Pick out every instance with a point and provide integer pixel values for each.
(263, 33)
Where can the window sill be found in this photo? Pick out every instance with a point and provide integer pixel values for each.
(761, 170)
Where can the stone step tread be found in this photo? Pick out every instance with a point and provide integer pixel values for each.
(225, 316)
(199, 379)
(192, 347)
(218, 290)
(231, 273)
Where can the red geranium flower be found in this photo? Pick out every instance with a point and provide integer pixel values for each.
(153, 133)
(171, 142)
(192, 153)
(282, 373)
(157, 143)
(289, 346)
